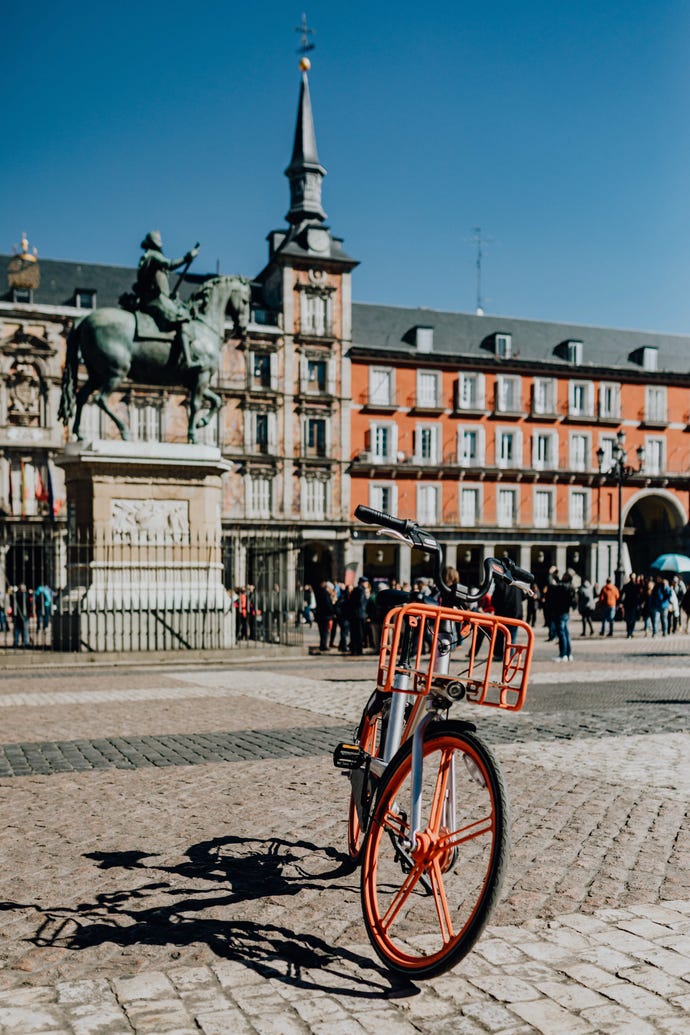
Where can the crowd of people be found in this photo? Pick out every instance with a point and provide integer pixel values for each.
(19, 605)
(349, 619)
(650, 604)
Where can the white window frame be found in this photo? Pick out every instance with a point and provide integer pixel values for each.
(316, 313)
(609, 400)
(504, 345)
(575, 352)
(314, 499)
(550, 461)
(307, 417)
(540, 518)
(654, 444)
(259, 495)
(478, 430)
(468, 487)
(575, 520)
(508, 393)
(586, 408)
(425, 399)
(272, 364)
(376, 500)
(433, 431)
(425, 492)
(608, 443)
(655, 404)
(544, 396)
(502, 434)
(145, 421)
(392, 428)
(650, 357)
(381, 392)
(503, 520)
(575, 463)
(471, 384)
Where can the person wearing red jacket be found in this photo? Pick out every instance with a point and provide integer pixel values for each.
(608, 600)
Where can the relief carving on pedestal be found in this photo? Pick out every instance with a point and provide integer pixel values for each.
(150, 521)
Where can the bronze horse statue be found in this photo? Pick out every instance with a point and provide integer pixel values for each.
(108, 344)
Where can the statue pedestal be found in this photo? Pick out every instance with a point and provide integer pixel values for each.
(144, 566)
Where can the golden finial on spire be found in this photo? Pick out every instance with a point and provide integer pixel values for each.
(305, 45)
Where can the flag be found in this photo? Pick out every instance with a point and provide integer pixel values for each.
(52, 509)
(42, 494)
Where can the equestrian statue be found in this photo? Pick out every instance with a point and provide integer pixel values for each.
(155, 338)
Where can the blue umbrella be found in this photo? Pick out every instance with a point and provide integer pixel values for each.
(677, 562)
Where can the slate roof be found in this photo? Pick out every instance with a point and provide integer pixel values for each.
(60, 279)
(391, 330)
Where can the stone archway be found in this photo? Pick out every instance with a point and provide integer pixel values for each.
(655, 523)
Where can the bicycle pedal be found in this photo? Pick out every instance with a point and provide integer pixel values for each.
(349, 756)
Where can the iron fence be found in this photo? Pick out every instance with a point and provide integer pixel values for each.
(70, 591)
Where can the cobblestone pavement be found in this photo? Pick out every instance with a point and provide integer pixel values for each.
(174, 864)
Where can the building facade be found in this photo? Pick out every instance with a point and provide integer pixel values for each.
(501, 435)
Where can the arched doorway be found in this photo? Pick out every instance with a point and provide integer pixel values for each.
(654, 523)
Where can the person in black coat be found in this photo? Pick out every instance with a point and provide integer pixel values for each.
(325, 612)
(357, 615)
(507, 602)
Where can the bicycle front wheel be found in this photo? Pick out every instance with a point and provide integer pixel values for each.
(426, 904)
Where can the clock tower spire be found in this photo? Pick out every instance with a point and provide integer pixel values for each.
(305, 172)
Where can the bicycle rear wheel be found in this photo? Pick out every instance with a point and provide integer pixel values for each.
(369, 741)
(425, 905)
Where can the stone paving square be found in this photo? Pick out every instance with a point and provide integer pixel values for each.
(211, 896)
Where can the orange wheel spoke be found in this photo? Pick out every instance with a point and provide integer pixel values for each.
(458, 837)
(440, 901)
(406, 889)
(394, 823)
(439, 798)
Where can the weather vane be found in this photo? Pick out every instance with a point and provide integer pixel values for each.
(305, 43)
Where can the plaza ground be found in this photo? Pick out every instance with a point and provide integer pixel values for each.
(174, 837)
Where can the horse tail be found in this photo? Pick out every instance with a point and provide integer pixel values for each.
(68, 395)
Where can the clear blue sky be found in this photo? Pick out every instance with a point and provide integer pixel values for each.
(562, 130)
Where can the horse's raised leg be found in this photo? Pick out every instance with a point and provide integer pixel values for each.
(214, 403)
(105, 391)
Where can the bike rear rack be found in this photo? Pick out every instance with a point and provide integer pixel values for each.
(485, 663)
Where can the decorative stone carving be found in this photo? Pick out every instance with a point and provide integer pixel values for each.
(24, 395)
(143, 521)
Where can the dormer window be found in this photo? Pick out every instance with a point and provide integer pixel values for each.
(85, 299)
(650, 357)
(424, 339)
(504, 346)
(24, 295)
(575, 351)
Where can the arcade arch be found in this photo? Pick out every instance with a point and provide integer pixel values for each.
(654, 522)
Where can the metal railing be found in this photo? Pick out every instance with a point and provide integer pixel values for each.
(71, 591)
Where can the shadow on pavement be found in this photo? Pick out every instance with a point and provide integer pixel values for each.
(225, 871)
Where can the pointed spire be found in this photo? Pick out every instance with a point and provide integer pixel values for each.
(305, 172)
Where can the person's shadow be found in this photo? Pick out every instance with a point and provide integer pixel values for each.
(216, 874)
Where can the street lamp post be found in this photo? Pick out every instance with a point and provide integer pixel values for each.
(621, 472)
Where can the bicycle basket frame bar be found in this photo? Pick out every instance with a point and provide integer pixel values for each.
(499, 683)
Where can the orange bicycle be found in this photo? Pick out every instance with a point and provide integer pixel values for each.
(428, 815)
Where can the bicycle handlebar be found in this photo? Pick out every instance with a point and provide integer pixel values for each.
(410, 532)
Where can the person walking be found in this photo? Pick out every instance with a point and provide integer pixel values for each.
(563, 599)
(19, 601)
(585, 606)
(608, 601)
(357, 615)
(630, 598)
(3, 609)
(659, 605)
(325, 613)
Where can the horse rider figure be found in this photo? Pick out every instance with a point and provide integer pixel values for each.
(152, 295)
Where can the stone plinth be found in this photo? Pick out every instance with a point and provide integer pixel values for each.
(144, 560)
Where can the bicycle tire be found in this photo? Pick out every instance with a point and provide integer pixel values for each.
(424, 908)
(369, 741)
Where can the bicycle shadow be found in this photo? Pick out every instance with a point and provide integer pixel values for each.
(216, 875)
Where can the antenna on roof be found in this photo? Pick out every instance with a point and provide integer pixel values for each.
(480, 242)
